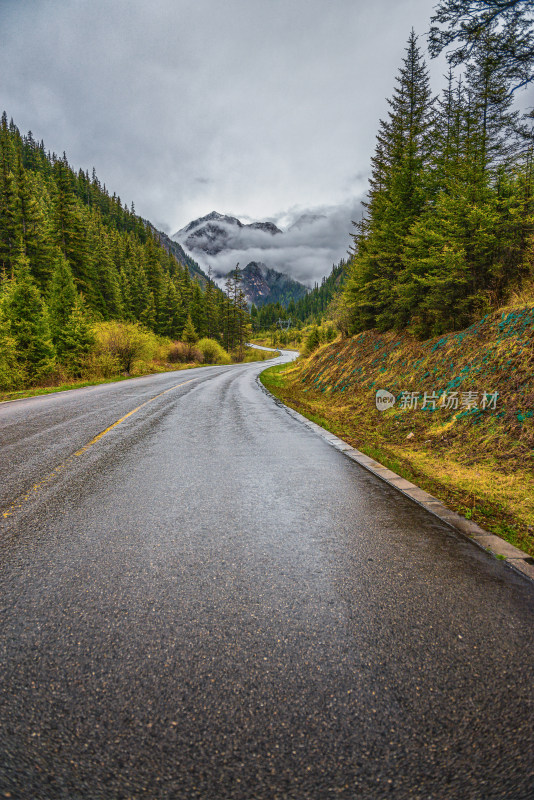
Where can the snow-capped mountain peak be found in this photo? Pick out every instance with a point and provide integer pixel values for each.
(216, 232)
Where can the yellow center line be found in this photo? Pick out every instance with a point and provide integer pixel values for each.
(17, 505)
(129, 414)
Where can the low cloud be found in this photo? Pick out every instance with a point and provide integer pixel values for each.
(186, 106)
(306, 251)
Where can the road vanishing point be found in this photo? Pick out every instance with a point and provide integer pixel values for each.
(201, 598)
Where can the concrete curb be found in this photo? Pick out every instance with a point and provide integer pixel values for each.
(515, 558)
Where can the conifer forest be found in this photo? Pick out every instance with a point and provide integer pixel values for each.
(73, 257)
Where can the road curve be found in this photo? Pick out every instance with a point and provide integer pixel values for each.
(203, 599)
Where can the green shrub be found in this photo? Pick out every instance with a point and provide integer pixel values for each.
(126, 342)
(213, 352)
(101, 365)
(313, 340)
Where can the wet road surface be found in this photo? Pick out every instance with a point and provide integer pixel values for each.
(209, 601)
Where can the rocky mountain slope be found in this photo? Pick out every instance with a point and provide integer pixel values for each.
(176, 249)
(265, 285)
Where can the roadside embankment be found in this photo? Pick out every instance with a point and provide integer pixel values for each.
(461, 426)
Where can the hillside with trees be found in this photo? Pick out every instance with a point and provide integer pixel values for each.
(72, 255)
(448, 227)
(438, 304)
(312, 308)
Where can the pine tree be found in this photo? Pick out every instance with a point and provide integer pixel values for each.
(210, 309)
(171, 320)
(67, 231)
(108, 301)
(495, 123)
(62, 295)
(143, 305)
(184, 280)
(75, 339)
(10, 229)
(126, 296)
(227, 315)
(32, 194)
(147, 317)
(189, 333)
(153, 270)
(12, 374)
(196, 309)
(27, 319)
(456, 260)
(313, 340)
(397, 195)
(241, 316)
(176, 311)
(462, 24)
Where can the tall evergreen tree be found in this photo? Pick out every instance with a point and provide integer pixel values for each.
(32, 195)
(27, 317)
(75, 339)
(210, 309)
(12, 373)
(171, 318)
(456, 258)
(197, 310)
(10, 229)
(68, 230)
(108, 299)
(62, 295)
(189, 333)
(398, 192)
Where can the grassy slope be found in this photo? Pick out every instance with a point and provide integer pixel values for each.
(481, 463)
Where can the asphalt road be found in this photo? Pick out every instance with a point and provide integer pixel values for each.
(211, 602)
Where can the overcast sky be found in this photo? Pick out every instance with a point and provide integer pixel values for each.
(262, 109)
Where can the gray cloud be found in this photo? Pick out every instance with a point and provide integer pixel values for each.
(306, 253)
(184, 106)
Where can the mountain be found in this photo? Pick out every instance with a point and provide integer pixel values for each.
(220, 233)
(268, 227)
(216, 232)
(305, 219)
(176, 250)
(263, 285)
